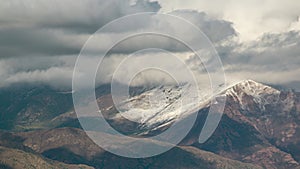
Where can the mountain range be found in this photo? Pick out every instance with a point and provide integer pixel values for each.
(259, 129)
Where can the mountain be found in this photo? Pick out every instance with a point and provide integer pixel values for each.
(31, 107)
(259, 124)
(72, 146)
(259, 127)
(18, 159)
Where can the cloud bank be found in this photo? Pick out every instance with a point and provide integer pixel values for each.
(41, 39)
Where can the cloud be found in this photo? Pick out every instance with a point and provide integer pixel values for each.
(215, 29)
(44, 77)
(54, 71)
(271, 51)
(58, 27)
(49, 28)
(250, 18)
(273, 58)
(82, 15)
(24, 42)
(41, 39)
(57, 71)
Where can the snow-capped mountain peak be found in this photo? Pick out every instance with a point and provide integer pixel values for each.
(258, 92)
(255, 88)
(252, 87)
(162, 105)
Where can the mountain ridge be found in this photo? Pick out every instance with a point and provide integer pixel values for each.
(260, 125)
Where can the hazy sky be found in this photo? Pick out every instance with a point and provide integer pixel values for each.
(256, 39)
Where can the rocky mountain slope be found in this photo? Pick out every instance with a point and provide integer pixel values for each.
(72, 146)
(18, 159)
(259, 128)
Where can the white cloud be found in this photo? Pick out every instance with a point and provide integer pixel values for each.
(251, 18)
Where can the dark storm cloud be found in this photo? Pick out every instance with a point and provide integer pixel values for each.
(83, 15)
(95, 14)
(40, 39)
(34, 42)
(42, 27)
(48, 28)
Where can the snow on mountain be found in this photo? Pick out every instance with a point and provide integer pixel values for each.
(160, 106)
(260, 93)
(251, 87)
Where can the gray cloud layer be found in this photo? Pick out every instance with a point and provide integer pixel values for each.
(42, 27)
(41, 39)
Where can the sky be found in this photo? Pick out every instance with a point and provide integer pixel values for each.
(255, 39)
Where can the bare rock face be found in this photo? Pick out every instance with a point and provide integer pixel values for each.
(275, 114)
(259, 126)
(272, 157)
